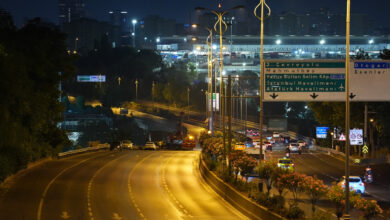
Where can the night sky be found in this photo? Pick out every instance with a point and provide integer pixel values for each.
(180, 9)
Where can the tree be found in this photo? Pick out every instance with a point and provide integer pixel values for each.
(266, 172)
(385, 54)
(234, 159)
(30, 61)
(294, 183)
(315, 189)
(246, 164)
(336, 195)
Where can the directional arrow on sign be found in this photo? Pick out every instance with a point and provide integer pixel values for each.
(314, 95)
(64, 215)
(352, 95)
(116, 216)
(365, 149)
(273, 95)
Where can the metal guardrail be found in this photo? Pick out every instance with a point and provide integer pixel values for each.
(83, 150)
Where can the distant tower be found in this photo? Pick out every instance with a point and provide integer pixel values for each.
(70, 10)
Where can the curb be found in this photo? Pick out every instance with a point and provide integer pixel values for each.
(249, 208)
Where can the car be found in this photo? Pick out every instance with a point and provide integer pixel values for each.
(150, 146)
(127, 144)
(239, 146)
(286, 163)
(267, 145)
(355, 183)
(256, 144)
(302, 143)
(294, 148)
(115, 145)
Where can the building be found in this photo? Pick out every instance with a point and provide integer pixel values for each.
(70, 10)
(86, 34)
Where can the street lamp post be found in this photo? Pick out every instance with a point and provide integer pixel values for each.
(261, 89)
(134, 22)
(332, 136)
(153, 95)
(136, 90)
(188, 103)
(218, 28)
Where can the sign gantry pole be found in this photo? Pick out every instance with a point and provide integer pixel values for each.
(347, 216)
(261, 82)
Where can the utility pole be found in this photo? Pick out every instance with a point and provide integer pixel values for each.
(229, 104)
(365, 128)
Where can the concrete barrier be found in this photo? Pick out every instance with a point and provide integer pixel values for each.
(245, 205)
(83, 150)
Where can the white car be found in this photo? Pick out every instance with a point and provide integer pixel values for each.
(150, 146)
(126, 144)
(294, 147)
(302, 143)
(355, 183)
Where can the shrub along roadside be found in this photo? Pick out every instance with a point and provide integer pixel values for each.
(280, 180)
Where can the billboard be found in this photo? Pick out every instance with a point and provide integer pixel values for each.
(91, 78)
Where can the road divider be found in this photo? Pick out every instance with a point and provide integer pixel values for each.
(245, 205)
(104, 146)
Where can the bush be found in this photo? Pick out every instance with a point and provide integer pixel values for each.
(241, 185)
(261, 198)
(276, 203)
(210, 163)
(294, 212)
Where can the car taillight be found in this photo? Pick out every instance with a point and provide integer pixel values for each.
(362, 184)
(293, 165)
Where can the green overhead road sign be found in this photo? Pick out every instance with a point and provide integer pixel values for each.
(324, 80)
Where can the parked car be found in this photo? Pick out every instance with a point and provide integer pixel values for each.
(127, 144)
(355, 183)
(150, 146)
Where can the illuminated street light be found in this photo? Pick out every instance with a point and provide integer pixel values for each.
(322, 42)
(158, 40)
(134, 22)
(371, 41)
(278, 41)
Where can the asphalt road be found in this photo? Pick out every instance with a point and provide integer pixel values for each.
(115, 185)
(331, 169)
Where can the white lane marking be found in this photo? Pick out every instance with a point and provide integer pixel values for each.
(64, 215)
(182, 212)
(131, 194)
(90, 213)
(39, 212)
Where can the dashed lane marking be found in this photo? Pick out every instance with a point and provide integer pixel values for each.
(41, 202)
(132, 198)
(90, 213)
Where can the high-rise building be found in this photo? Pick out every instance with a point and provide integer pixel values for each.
(70, 10)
